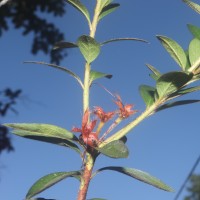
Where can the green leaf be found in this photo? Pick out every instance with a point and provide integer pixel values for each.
(46, 130)
(194, 30)
(89, 47)
(108, 9)
(139, 175)
(193, 5)
(123, 39)
(156, 74)
(177, 103)
(115, 149)
(50, 180)
(63, 44)
(80, 7)
(171, 82)
(96, 75)
(194, 50)
(148, 94)
(59, 68)
(189, 90)
(175, 50)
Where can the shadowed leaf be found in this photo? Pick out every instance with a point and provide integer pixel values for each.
(194, 30)
(89, 48)
(171, 82)
(148, 94)
(177, 103)
(175, 50)
(50, 180)
(108, 9)
(80, 7)
(115, 149)
(63, 44)
(139, 175)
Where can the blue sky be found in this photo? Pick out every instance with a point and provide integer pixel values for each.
(165, 145)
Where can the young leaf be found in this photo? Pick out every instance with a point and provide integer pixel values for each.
(50, 180)
(115, 149)
(194, 50)
(194, 30)
(89, 47)
(148, 94)
(177, 103)
(139, 175)
(43, 130)
(59, 68)
(80, 7)
(108, 9)
(189, 90)
(175, 50)
(63, 44)
(123, 39)
(193, 5)
(156, 74)
(96, 75)
(171, 82)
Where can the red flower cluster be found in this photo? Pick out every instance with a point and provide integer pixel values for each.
(124, 110)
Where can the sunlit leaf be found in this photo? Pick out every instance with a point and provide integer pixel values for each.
(175, 50)
(171, 82)
(89, 47)
(156, 74)
(194, 6)
(177, 103)
(115, 149)
(80, 7)
(194, 30)
(123, 39)
(148, 94)
(108, 9)
(63, 44)
(194, 50)
(50, 180)
(96, 75)
(139, 175)
(45, 130)
(189, 90)
(59, 68)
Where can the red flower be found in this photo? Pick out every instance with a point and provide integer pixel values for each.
(103, 116)
(124, 110)
(89, 138)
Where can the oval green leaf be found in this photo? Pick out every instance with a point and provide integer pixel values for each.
(80, 7)
(139, 175)
(148, 94)
(89, 47)
(45, 130)
(115, 149)
(50, 180)
(193, 5)
(175, 50)
(194, 50)
(171, 82)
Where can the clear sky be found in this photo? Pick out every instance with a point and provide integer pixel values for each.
(165, 145)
